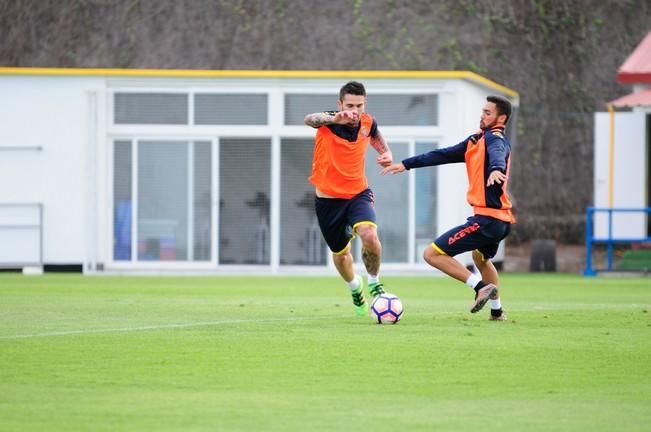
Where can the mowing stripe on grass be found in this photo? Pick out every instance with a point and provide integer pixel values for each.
(163, 327)
(186, 325)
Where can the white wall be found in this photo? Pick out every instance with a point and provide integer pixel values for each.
(629, 163)
(50, 112)
(68, 117)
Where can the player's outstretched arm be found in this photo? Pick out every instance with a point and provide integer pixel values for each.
(316, 120)
(394, 169)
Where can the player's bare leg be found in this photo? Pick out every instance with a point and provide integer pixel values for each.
(489, 274)
(455, 269)
(446, 264)
(344, 263)
(371, 256)
(486, 268)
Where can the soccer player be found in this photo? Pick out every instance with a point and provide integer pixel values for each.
(487, 158)
(344, 203)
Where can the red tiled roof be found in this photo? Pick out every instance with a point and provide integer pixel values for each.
(637, 67)
(642, 98)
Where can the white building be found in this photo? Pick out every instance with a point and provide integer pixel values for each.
(136, 170)
(622, 169)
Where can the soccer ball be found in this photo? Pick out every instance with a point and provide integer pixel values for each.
(386, 309)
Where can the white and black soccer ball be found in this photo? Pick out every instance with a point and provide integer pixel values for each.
(386, 309)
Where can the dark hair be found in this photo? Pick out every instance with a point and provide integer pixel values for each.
(352, 87)
(502, 104)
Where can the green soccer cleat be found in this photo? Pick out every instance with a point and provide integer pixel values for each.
(359, 301)
(375, 289)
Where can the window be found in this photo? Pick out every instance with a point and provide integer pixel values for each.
(245, 198)
(426, 201)
(388, 109)
(122, 201)
(404, 110)
(173, 205)
(391, 205)
(230, 109)
(151, 108)
(297, 106)
(202, 201)
(163, 201)
(301, 242)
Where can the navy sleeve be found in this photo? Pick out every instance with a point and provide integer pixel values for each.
(453, 154)
(497, 149)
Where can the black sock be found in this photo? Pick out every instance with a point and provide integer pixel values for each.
(496, 312)
(479, 286)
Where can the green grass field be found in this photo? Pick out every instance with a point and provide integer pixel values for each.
(287, 354)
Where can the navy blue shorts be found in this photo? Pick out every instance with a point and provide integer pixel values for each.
(339, 217)
(480, 233)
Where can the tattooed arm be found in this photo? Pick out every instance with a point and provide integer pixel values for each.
(380, 145)
(316, 120)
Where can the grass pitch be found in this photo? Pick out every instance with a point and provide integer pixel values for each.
(287, 354)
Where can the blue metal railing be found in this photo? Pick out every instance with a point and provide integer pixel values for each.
(609, 241)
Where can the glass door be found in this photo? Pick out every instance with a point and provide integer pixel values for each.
(162, 200)
(391, 206)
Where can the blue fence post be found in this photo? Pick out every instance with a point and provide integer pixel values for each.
(610, 239)
(588, 243)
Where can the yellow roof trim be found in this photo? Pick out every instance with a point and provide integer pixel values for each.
(202, 73)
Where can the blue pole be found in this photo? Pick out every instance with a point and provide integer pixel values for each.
(610, 239)
(588, 243)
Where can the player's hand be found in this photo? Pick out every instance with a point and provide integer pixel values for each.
(348, 118)
(496, 177)
(385, 159)
(394, 169)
